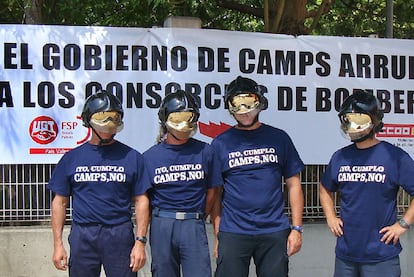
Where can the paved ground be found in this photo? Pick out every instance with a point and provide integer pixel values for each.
(26, 252)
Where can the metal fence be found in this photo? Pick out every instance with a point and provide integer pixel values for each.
(24, 199)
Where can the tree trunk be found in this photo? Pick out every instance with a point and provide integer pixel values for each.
(287, 16)
(279, 16)
(33, 12)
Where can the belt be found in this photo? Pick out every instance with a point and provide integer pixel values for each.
(177, 215)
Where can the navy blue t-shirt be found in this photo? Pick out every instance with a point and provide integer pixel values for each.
(102, 181)
(252, 164)
(368, 181)
(180, 175)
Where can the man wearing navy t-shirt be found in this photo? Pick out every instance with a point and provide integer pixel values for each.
(103, 176)
(368, 174)
(184, 180)
(249, 216)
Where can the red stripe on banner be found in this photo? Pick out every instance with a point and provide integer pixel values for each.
(48, 150)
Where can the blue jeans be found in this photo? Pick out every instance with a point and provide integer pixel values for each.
(388, 268)
(269, 253)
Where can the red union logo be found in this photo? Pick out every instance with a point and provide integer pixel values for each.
(397, 131)
(43, 129)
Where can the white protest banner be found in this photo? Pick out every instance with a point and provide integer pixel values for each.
(48, 71)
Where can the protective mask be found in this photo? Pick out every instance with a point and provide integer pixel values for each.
(182, 124)
(356, 125)
(244, 103)
(109, 122)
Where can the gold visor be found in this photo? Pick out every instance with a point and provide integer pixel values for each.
(101, 118)
(357, 122)
(182, 121)
(244, 103)
(107, 122)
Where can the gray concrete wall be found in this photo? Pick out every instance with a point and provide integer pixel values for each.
(27, 252)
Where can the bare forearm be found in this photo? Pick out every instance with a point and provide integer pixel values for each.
(409, 214)
(210, 199)
(326, 199)
(59, 206)
(296, 199)
(216, 210)
(142, 214)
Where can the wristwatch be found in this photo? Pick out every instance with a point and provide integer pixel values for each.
(403, 224)
(142, 239)
(297, 228)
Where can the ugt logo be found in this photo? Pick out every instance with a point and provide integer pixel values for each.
(43, 129)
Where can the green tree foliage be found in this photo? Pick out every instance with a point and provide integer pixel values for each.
(319, 17)
(363, 17)
(127, 13)
(11, 12)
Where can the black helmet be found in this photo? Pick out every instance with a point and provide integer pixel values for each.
(178, 101)
(242, 85)
(352, 124)
(366, 103)
(101, 101)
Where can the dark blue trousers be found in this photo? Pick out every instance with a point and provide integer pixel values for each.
(389, 268)
(179, 245)
(93, 246)
(269, 253)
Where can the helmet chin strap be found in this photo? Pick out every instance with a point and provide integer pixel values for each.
(101, 140)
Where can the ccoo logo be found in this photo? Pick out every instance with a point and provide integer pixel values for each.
(397, 131)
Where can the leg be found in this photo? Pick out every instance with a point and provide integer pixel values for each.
(84, 258)
(270, 255)
(389, 268)
(193, 245)
(165, 257)
(235, 252)
(116, 243)
(346, 268)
